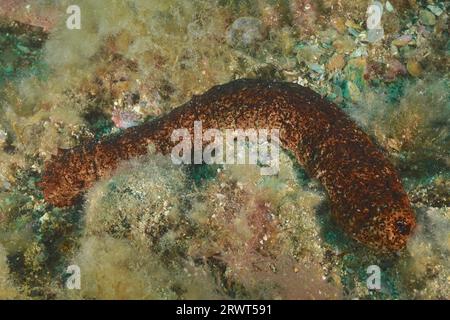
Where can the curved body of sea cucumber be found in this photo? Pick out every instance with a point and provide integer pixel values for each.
(367, 198)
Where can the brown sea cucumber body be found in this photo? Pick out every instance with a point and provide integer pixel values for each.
(367, 197)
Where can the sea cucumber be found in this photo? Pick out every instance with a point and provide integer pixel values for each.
(367, 198)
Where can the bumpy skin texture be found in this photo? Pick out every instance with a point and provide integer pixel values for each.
(367, 198)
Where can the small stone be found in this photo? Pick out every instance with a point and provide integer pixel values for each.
(414, 68)
(344, 45)
(339, 24)
(309, 54)
(389, 6)
(435, 9)
(427, 18)
(353, 32)
(394, 68)
(316, 67)
(337, 62)
(359, 52)
(124, 118)
(394, 50)
(402, 40)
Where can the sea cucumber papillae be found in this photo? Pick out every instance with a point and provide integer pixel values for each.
(367, 198)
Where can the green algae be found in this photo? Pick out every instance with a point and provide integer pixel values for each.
(20, 53)
(396, 90)
(202, 173)
(39, 237)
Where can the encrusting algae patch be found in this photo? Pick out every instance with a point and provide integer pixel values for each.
(230, 227)
(155, 230)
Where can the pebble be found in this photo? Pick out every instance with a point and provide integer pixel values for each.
(394, 50)
(309, 54)
(344, 45)
(339, 24)
(316, 67)
(402, 40)
(435, 9)
(359, 52)
(389, 6)
(394, 68)
(337, 62)
(414, 68)
(427, 18)
(124, 119)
